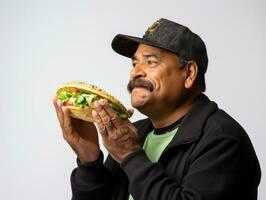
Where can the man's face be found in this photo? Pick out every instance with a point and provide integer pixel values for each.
(156, 80)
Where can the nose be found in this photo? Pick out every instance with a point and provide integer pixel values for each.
(138, 72)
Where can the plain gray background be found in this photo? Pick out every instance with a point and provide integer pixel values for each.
(45, 43)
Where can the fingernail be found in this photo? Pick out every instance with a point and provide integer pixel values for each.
(64, 108)
(93, 112)
(59, 103)
(103, 102)
(96, 104)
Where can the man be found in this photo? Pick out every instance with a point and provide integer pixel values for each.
(187, 148)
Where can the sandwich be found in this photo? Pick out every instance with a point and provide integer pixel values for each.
(78, 97)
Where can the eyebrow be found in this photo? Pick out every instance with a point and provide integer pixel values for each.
(134, 58)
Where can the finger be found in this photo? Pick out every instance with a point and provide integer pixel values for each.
(119, 134)
(60, 114)
(99, 124)
(54, 99)
(115, 119)
(124, 138)
(58, 108)
(105, 118)
(67, 130)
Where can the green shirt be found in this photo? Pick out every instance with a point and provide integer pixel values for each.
(155, 144)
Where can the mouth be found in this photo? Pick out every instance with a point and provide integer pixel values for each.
(142, 87)
(139, 83)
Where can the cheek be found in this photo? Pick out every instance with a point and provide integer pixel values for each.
(164, 81)
(171, 85)
(158, 79)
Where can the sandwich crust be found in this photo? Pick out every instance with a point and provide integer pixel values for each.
(81, 113)
(85, 113)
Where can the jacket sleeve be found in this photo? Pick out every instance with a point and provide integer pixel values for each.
(220, 167)
(91, 181)
(99, 181)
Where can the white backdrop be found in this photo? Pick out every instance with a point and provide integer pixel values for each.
(45, 43)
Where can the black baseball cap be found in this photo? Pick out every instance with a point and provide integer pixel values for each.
(167, 35)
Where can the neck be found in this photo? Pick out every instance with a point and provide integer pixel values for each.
(165, 119)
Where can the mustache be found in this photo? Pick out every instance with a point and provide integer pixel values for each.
(139, 83)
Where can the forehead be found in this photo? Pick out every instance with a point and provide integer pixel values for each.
(144, 49)
(164, 57)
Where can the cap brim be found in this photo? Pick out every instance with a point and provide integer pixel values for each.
(126, 45)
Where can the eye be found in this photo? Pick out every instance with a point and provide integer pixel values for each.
(134, 64)
(152, 63)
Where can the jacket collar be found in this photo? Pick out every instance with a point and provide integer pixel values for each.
(192, 125)
(191, 128)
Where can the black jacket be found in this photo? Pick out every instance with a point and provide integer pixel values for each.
(210, 158)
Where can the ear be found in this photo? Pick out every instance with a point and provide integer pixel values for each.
(191, 74)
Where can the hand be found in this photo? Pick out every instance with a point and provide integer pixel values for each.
(120, 137)
(81, 135)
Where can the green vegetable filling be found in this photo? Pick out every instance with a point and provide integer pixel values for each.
(82, 100)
